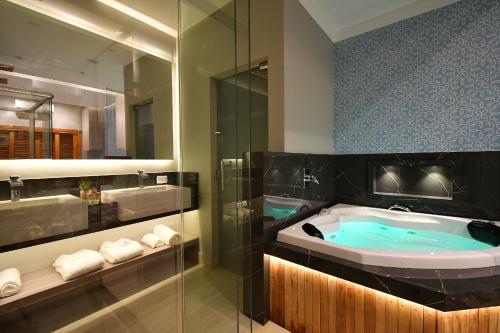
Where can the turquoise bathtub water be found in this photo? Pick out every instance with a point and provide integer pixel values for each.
(376, 236)
(278, 213)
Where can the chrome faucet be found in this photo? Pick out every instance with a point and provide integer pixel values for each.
(142, 176)
(15, 188)
(400, 208)
(308, 178)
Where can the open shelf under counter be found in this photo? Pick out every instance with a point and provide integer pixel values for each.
(41, 284)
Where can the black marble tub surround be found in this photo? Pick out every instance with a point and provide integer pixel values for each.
(444, 290)
(474, 181)
(279, 175)
(467, 185)
(284, 176)
(101, 216)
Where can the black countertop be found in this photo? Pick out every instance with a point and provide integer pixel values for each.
(441, 289)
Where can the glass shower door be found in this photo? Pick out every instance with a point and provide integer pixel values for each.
(215, 135)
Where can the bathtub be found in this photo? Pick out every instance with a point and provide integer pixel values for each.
(336, 222)
(282, 207)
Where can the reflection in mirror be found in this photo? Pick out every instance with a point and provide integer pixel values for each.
(25, 118)
(108, 75)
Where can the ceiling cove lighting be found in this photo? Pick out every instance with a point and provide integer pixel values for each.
(124, 9)
(54, 10)
(61, 83)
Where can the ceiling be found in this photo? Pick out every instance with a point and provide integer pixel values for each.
(77, 49)
(90, 52)
(342, 19)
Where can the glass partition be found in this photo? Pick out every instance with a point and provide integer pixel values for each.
(93, 80)
(166, 250)
(215, 129)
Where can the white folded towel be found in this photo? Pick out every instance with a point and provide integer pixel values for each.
(81, 262)
(152, 240)
(121, 250)
(167, 235)
(10, 282)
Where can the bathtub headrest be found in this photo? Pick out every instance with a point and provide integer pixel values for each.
(311, 230)
(484, 232)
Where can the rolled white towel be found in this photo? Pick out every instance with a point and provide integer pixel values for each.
(169, 236)
(152, 240)
(10, 282)
(81, 262)
(121, 250)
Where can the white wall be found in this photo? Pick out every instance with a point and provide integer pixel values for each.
(308, 83)
(67, 116)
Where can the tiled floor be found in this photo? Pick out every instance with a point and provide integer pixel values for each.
(209, 306)
(270, 327)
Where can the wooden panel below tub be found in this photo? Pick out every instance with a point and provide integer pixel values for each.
(307, 301)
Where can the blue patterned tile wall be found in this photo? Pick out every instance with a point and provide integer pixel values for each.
(429, 83)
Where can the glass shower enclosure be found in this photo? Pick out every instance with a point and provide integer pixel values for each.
(214, 45)
(25, 124)
(200, 284)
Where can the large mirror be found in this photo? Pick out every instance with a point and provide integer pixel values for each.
(100, 87)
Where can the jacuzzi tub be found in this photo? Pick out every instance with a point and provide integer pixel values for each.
(282, 207)
(421, 248)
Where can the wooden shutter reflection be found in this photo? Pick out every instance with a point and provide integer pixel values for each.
(14, 143)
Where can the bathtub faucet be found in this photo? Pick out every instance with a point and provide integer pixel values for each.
(308, 178)
(400, 208)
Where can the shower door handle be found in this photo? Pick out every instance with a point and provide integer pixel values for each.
(222, 165)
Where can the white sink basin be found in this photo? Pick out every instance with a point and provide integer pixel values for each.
(35, 218)
(136, 202)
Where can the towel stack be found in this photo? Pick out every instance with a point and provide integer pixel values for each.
(167, 235)
(10, 282)
(86, 261)
(81, 262)
(121, 250)
(152, 240)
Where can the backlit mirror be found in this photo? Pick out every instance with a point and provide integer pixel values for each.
(100, 87)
